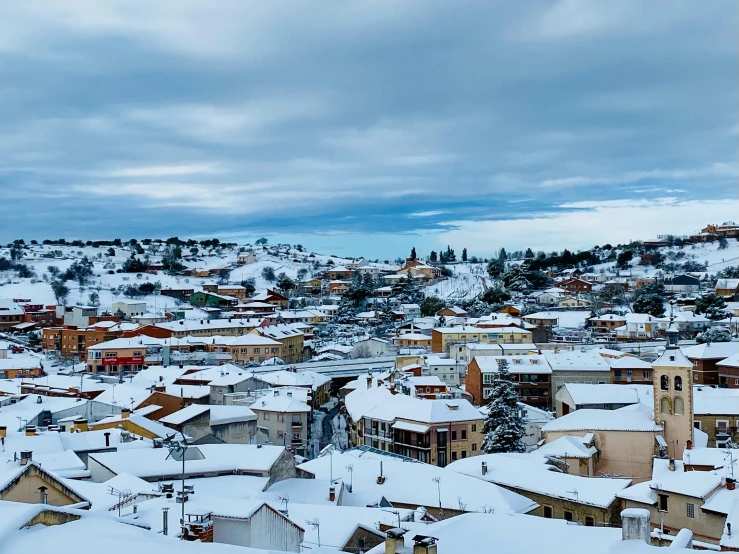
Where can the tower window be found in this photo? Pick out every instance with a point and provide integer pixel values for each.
(664, 405)
(664, 382)
(678, 383)
(679, 406)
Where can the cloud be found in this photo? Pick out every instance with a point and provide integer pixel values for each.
(429, 213)
(288, 119)
(583, 224)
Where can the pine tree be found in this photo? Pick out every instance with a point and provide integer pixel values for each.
(464, 254)
(502, 256)
(413, 253)
(504, 426)
(432, 257)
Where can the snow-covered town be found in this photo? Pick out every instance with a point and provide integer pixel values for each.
(277, 399)
(373, 277)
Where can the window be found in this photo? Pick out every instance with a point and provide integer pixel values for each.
(690, 510)
(256, 350)
(474, 446)
(617, 374)
(280, 417)
(697, 424)
(464, 454)
(664, 382)
(646, 375)
(474, 427)
(568, 516)
(679, 406)
(589, 521)
(454, 455)
(464, 434)
(664, 405)
(487, 379)
(266, 416)
(695, 377)
(454, 435)
(663, 502)
(678, 383)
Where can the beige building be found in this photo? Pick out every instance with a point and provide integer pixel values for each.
(283, 420)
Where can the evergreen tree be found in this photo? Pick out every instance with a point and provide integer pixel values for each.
(502, 256)
(413, 253)
(496, 268)
(713, 335)
(723, 244)
(505, 425)
(529, 253)
(712, 305)
(464, 254)
(649, 299)
(432, 257)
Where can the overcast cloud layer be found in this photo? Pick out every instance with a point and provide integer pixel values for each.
(375, 125)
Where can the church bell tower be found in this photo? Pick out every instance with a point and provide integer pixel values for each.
(673, 394)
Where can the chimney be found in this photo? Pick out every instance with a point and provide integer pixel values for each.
(30, 430)
(125, 412)
(424, 545)
(26, 456)
(107, 439)
(672, 464)
(381, 477)
(730, 483)
(331, 494)
(165, 522)
(394, 539)
(277, 393)
(369, 381)
(3, 431)
(289, 394)
(484, 468)
(689, 444)
(635, 525)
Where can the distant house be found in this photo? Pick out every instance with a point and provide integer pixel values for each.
(373, 347)
(682, 283)
(271, 297)
(339, 273)
(246, 258)
(453, 311)
(550, 297)
(236, 291)
(181, 293)
(575, 285)
(607, 323)
(212, 300)
(727, 287)
(214, 424)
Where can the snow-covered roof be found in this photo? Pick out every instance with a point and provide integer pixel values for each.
(712, 351)
(407, 482)
(603, 420)
(280, 401)
(672, 357)
(531, 475)
(568, 446)
(525, 363)
(219, 415)
(380, 403)
(250, 339)
(607, 393)
(575, 360)
(628, 362)
(8, 307)
(286, 378)
(731, 361)
(714, 401)
(152, 463)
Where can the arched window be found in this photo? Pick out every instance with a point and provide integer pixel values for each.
(664, 405)
(664, 382)
(679, 406)
(678, 383)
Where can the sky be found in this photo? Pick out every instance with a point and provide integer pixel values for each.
(367, 127)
